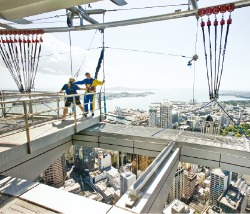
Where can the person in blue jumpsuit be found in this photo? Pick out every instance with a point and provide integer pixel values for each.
(90, 84)
(69, 89)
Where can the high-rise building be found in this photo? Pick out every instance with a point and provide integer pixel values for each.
(235, 176)
(232, 201)
(84, 158)
(88, 155)
(218, 185)
(178, 206)
(243, 184)
(190, 179)
(144, 162)
(152, 120)
(166, 115)
(126, 181)
(55, 175)
(176, 191)
(104, 161)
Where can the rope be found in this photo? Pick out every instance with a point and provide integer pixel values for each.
(103, 71)
(224, 52)
(219, 60)
(77, 73)
(150, 52)
(215, 56)
(149, 7)
(210, 56)
(205, 51)
(237, 125)
(195, 50)
(71, 69)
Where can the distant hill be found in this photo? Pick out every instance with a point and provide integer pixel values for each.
(118, 88)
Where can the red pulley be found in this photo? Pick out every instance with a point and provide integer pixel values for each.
(222, 22)
(20, 41)
(11, 41)
(7, 40)
(209, 22)
(24, 41)
(229, 21)
(29, 41)
(202, 23)
(230, 7)
(215, 22)
(201, 12)
(41, 39)
(223, 8)
(216, 10)
(15, 40)
(209, 11)
(3, 41)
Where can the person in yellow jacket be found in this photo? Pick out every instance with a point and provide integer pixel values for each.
(90, 84)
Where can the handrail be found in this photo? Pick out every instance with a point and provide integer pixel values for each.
(139, 184)
(45, 98)
(25, 108)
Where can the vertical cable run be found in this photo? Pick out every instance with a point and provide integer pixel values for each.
(195, 49)
(70, 52)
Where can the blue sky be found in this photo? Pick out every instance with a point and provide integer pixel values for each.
(141, 70)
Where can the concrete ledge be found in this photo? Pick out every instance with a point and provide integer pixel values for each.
(198, 161)
(198, 153)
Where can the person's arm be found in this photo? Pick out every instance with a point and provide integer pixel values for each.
(63, 89)
(78, 88)
(82, 82)
(98, 82)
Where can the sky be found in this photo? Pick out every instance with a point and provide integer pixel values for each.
(137, 69)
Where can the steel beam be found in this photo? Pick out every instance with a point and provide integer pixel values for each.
(143, 20)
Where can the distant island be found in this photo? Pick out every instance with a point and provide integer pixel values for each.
(238, 94)
(111, 95)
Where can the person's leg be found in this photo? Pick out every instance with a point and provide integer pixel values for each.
(78, 103)
(86, 103)
(65, 110)
(92, 106)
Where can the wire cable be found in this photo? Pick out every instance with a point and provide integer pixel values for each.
(150, 52)
(70, 53)
(195, 50)
(77, 73)
(149, 7)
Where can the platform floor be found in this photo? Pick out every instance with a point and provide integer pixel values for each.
(13, 139)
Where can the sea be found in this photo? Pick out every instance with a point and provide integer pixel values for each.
(160, 95)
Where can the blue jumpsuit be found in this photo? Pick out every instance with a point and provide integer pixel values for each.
(91, 88)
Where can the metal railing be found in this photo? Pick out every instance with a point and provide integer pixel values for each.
(137, 187)
(23, 111)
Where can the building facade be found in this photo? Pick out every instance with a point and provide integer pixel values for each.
(218, 185)
(152, 120)
(166, 109)
(126, 181)
(176, 191)
(189, 179)
(55, 175)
